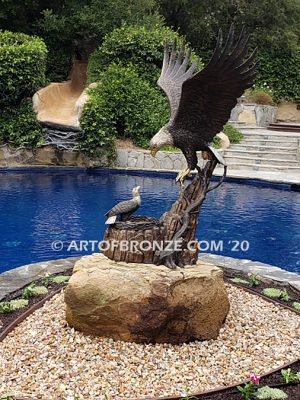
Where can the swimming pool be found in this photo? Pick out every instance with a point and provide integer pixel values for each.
(239, 220)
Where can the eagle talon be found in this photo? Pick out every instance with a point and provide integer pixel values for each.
(181, 177)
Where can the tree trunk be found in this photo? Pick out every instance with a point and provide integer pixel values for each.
(171, 239)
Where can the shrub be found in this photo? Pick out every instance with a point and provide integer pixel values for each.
(290, 376)
(267, 393)
(5, 307)
(124, 105)
(18, 303)
(272, 292)
(19, 126)
(254, 280)
(239, 280)
(296, 305)
(137, 45)
(234, 135)
(22, 66)
(33, 290)
(277, 293)
(127, 103)
(262, 98)
(260, 95)
(281, 73)
(284, 295)
(60, 279)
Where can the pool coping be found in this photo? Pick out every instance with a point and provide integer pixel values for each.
(17, 278)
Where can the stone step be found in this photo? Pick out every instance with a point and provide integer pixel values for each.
(292, 156)
(232, 160)
(267, 148)
(261, 142)
(283, 138)
(262, 167)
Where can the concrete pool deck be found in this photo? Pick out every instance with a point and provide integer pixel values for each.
(286, 177)
(19, 277)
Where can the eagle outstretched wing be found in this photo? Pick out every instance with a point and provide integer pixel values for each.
(202, 102)
(175, 70)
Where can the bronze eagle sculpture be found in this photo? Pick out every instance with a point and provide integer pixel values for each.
(201, 102)
(124, 209)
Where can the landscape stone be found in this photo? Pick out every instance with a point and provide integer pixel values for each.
(146, 303)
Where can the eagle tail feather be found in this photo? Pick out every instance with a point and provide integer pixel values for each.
(218, 155)
(111, 220)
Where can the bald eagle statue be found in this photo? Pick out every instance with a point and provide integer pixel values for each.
(124, 209)
(201, 102)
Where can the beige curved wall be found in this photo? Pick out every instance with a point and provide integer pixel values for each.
(57, 102)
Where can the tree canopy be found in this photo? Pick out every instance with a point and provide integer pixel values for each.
(273, 24)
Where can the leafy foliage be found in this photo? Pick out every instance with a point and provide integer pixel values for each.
(71, 27)
(260, 94)
(6, 397)
(60, 279)
(277, 293)
(281, 74)
(254, 280)
(284, 295)
(273, 25)
(96, 18)
(239, 280)
(22, 66)
(261, 97)
(272, 292)
(267, 393)
(18, 303)
(136, 45)
(10, 306)
(296, 305)
(33, 290)
(19, 126)
(125, 105)
(5, 307)
(289, 376)
(234, 135)
(247, 391)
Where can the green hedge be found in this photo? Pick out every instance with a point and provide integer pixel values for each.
(22, 66)
(141, 46)
(122, 105)
(127, 101)
(19, 126)
(281, 74)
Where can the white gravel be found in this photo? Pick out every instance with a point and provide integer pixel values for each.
(44, 358)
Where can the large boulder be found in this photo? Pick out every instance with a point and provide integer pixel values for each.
(144, 302)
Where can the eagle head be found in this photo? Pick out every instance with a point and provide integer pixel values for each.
(162, 138)
(136, 191)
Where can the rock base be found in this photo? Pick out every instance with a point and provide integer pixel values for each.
(145, 303)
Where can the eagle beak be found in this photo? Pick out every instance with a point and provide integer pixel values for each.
(154, 150)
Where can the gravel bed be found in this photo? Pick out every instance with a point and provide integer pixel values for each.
(46, 359)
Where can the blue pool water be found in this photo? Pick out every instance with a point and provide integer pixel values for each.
(38, 208)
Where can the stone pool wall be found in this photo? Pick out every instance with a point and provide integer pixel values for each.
(125, 158)
(142, 159)
(45, 156)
